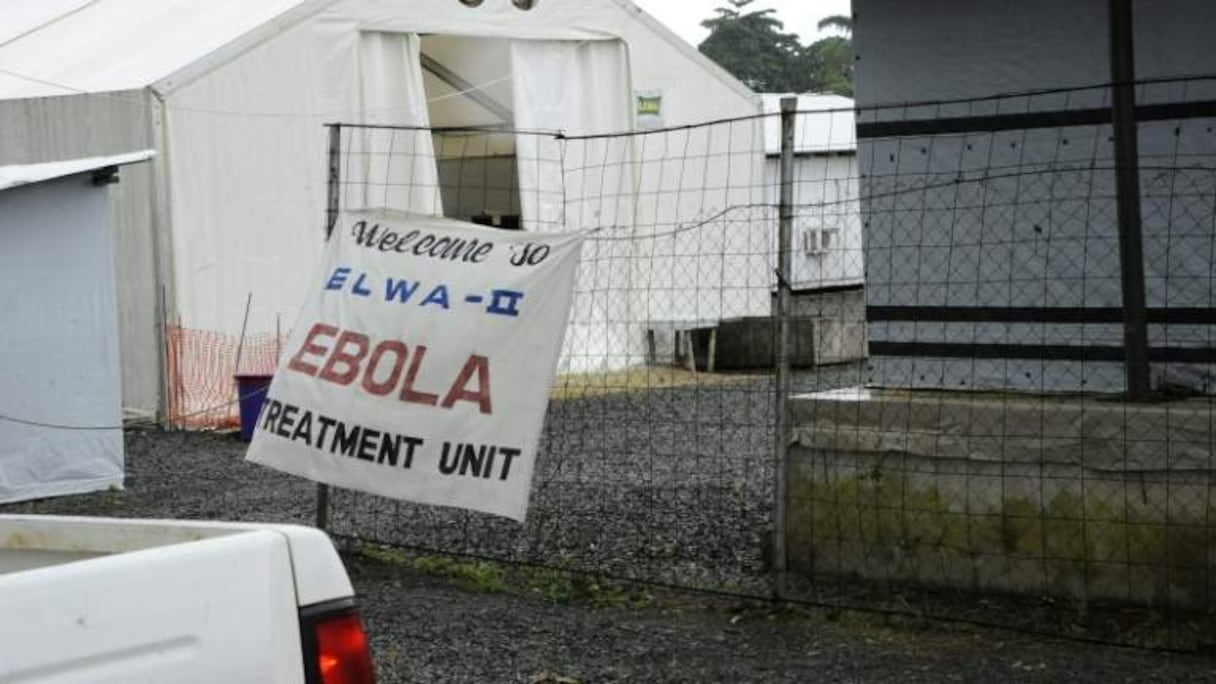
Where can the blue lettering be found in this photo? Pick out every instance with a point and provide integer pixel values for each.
(359, 288)
(401, 290)
(338, 279)
(504, 302)
(437, 296)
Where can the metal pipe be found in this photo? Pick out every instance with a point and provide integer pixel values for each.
(334, 178)
(332, 206)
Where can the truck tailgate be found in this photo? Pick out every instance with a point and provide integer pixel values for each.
(219, 609)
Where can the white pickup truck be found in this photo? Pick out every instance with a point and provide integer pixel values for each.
(161, 602)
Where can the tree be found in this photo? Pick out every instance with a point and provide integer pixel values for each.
(838, 21)
(754, 46)
(831, 59)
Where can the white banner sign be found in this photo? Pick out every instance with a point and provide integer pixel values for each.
(421, 365)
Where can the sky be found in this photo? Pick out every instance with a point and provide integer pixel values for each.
(685, 16)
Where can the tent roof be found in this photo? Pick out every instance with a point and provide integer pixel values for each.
(108, 45)
(25, 174)
(19, 18)
(94, 46)
(825, 124)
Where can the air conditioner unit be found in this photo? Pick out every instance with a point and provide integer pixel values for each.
(816, 241)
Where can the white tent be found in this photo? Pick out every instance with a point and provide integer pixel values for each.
(60, 402)
(233, 95)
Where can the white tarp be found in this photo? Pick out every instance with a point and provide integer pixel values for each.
(584, 183)
(59, 343)
(594, 97)
(420, 376)
(404, 177)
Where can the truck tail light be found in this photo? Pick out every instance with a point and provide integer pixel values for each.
(335, 645)
(342, 653)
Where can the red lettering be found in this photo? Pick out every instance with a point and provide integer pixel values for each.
(480, 365)
(340, 357)
(309, 349)
(348, 359)
(408, 393)
(369, 376)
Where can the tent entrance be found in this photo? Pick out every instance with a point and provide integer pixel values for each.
(468, 84)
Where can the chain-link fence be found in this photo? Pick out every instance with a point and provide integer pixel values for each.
(959, 442)
(656, 462)
(991, 462)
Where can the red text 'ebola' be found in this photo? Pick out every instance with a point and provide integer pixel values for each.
(387, 367)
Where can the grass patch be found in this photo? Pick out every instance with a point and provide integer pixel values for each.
(555, 585)
(582, 385)
(479, 576)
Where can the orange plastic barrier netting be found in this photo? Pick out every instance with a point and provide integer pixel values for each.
(201, 368)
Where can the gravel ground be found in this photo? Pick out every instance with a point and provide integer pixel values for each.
(432, 629)
(669, 485)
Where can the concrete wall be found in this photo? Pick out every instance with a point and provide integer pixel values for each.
(840, 323)
(826, 328)
(750, 343)
(1061, 496)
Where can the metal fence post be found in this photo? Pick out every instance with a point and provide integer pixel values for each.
(1127, 177)
(335, 178)
(785, 225)
(331, 218)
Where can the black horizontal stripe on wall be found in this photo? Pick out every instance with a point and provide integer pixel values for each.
(988, 123)
(1042, 352)
(965, 350)
(1036, 314)
(829, 289)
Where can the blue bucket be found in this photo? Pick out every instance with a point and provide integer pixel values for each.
(251, 391)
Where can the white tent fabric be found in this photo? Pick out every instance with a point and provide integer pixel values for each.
(110, 45)
(245, 194)
(594, 98)
(393, 93)
(18, 18)
(234, 95)
(579, 184)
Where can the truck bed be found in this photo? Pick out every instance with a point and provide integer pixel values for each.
(31, 542)
(109, 600)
